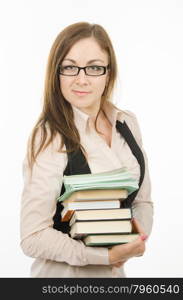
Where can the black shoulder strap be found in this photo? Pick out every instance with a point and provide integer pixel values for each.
(77, 163)
(137, 152)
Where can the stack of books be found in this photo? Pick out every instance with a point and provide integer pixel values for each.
(92, 207)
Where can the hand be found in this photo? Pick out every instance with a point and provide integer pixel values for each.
(121, 253)
(119, 264)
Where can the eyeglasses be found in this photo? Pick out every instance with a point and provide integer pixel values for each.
(89, 70)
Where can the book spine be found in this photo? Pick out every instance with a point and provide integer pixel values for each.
(67, 216)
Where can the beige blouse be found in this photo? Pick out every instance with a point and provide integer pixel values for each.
(55, 253)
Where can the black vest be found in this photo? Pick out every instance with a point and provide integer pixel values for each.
(77, 164)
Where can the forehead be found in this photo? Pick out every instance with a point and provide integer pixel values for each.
(85, 50)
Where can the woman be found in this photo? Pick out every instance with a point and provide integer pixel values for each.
(78, 117)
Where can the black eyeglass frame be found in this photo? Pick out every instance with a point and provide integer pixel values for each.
(105, 68)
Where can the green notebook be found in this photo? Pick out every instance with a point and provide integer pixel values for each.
(116, 179)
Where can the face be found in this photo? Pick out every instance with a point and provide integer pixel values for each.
(84, 91)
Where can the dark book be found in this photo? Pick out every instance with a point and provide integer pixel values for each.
(82, 229)
(109, 240)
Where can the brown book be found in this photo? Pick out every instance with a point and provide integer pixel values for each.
(71, 207)
(91, 195)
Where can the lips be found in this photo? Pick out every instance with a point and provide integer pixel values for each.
(81, 93)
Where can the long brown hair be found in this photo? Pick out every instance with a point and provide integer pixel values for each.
(57, 113)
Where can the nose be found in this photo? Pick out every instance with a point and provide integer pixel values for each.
(82, 78)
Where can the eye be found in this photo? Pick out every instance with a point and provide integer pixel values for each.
(68, 68)
(95, 68)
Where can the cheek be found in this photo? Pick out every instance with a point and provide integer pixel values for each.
(64, 84)
(101, 86)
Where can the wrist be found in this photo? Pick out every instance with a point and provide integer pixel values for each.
(111, 256)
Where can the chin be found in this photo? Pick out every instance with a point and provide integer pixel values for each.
(82, 104)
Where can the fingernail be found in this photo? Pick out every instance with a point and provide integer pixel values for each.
(143, 237)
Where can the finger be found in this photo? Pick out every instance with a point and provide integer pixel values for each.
(118, 265)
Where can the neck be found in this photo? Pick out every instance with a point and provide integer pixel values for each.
(101, 118)
(91, 111)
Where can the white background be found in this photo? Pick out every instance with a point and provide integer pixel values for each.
(148, 39)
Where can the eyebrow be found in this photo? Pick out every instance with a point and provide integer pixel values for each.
(89, 62)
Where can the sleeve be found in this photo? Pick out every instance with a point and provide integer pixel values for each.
(38, 203)
(142, 205)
